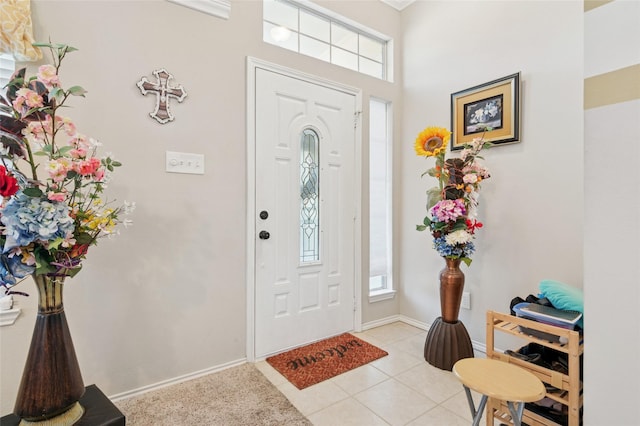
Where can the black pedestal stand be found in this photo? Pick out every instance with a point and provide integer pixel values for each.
(98, 411)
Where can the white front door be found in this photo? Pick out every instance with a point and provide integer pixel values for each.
(305, 212)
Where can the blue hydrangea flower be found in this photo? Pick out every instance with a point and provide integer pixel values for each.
(12, 268)
(458, 250)
(28, 219)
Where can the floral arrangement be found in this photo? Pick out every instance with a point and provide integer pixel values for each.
(452, 205)
(48, 222)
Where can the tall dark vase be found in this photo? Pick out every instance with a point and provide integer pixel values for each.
(51, 383)
(448, 340)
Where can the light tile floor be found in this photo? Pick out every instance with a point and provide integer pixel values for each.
(399, 389)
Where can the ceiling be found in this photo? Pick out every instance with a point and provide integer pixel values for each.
(398, 4)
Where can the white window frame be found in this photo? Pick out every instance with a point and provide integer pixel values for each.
(386, 290)
(7, 68)
(334, 18)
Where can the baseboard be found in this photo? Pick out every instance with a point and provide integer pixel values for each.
(418, 324)
(478, 346)
(176, 380)
(380, 322)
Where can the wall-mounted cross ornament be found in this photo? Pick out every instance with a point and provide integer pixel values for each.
(163, 92)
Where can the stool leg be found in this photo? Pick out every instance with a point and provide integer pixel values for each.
(516, 410)
(477, 415)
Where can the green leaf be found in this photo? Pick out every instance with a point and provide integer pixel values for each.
(64, 150)
(116, 163)
(439, 226)
(71, 174)
(41, 153)
(433, 172)
(45, 268)
(433, 196)
(427, 221)
(53, 245)
(73, 272)
(42, 261)
(33, 192)
(56, 93)
(77, 91)
(459, 226)
(466, 260)
(41, 44)
(84, 238)
(420, 227)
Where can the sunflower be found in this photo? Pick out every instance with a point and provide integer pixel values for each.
(432, 141)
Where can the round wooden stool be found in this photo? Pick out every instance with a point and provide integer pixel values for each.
(499, 380)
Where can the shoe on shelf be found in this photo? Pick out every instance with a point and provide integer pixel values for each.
(533, 358)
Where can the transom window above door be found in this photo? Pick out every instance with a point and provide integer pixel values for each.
(314, 31)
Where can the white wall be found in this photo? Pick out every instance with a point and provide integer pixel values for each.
(168, 296)
(532, 206)
(612, 214)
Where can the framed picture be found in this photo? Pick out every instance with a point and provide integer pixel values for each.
(491, 109)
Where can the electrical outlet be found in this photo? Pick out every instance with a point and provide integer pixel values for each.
(466, 300)
(184, 162)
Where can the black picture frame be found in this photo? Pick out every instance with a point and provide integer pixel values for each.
(490, 110)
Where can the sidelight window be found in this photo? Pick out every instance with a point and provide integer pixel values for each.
(380, 201)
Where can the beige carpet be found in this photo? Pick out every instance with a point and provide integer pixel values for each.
(237, 396)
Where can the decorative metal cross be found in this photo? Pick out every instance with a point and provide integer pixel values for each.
(163, 92)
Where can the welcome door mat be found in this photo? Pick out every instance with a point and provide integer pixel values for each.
(314, 363)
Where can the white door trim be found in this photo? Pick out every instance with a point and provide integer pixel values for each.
(252, 65)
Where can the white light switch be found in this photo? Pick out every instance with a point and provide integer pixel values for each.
(184, 162)
(466, 300)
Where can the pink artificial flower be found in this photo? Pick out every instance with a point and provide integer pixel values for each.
(68, 125)
(88, 167)
(48, 76)
(35, 132)
(26, 96)
(32, 98)
(47, 125)
(470, 178)
(18, 102)
(69, 241)
(448, 210)
(59, 168)
(79, 141)
(98, 176)
(56, 196)
(78, 153)
(478, 169)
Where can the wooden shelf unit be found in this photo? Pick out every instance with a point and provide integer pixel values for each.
(569, 385)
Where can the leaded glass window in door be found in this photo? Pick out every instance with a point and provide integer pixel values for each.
(309, 197)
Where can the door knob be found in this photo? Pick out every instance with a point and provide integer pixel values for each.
(264, 214)
(264, 235)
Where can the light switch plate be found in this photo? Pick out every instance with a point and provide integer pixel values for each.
(184, 162)
(466, 300)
